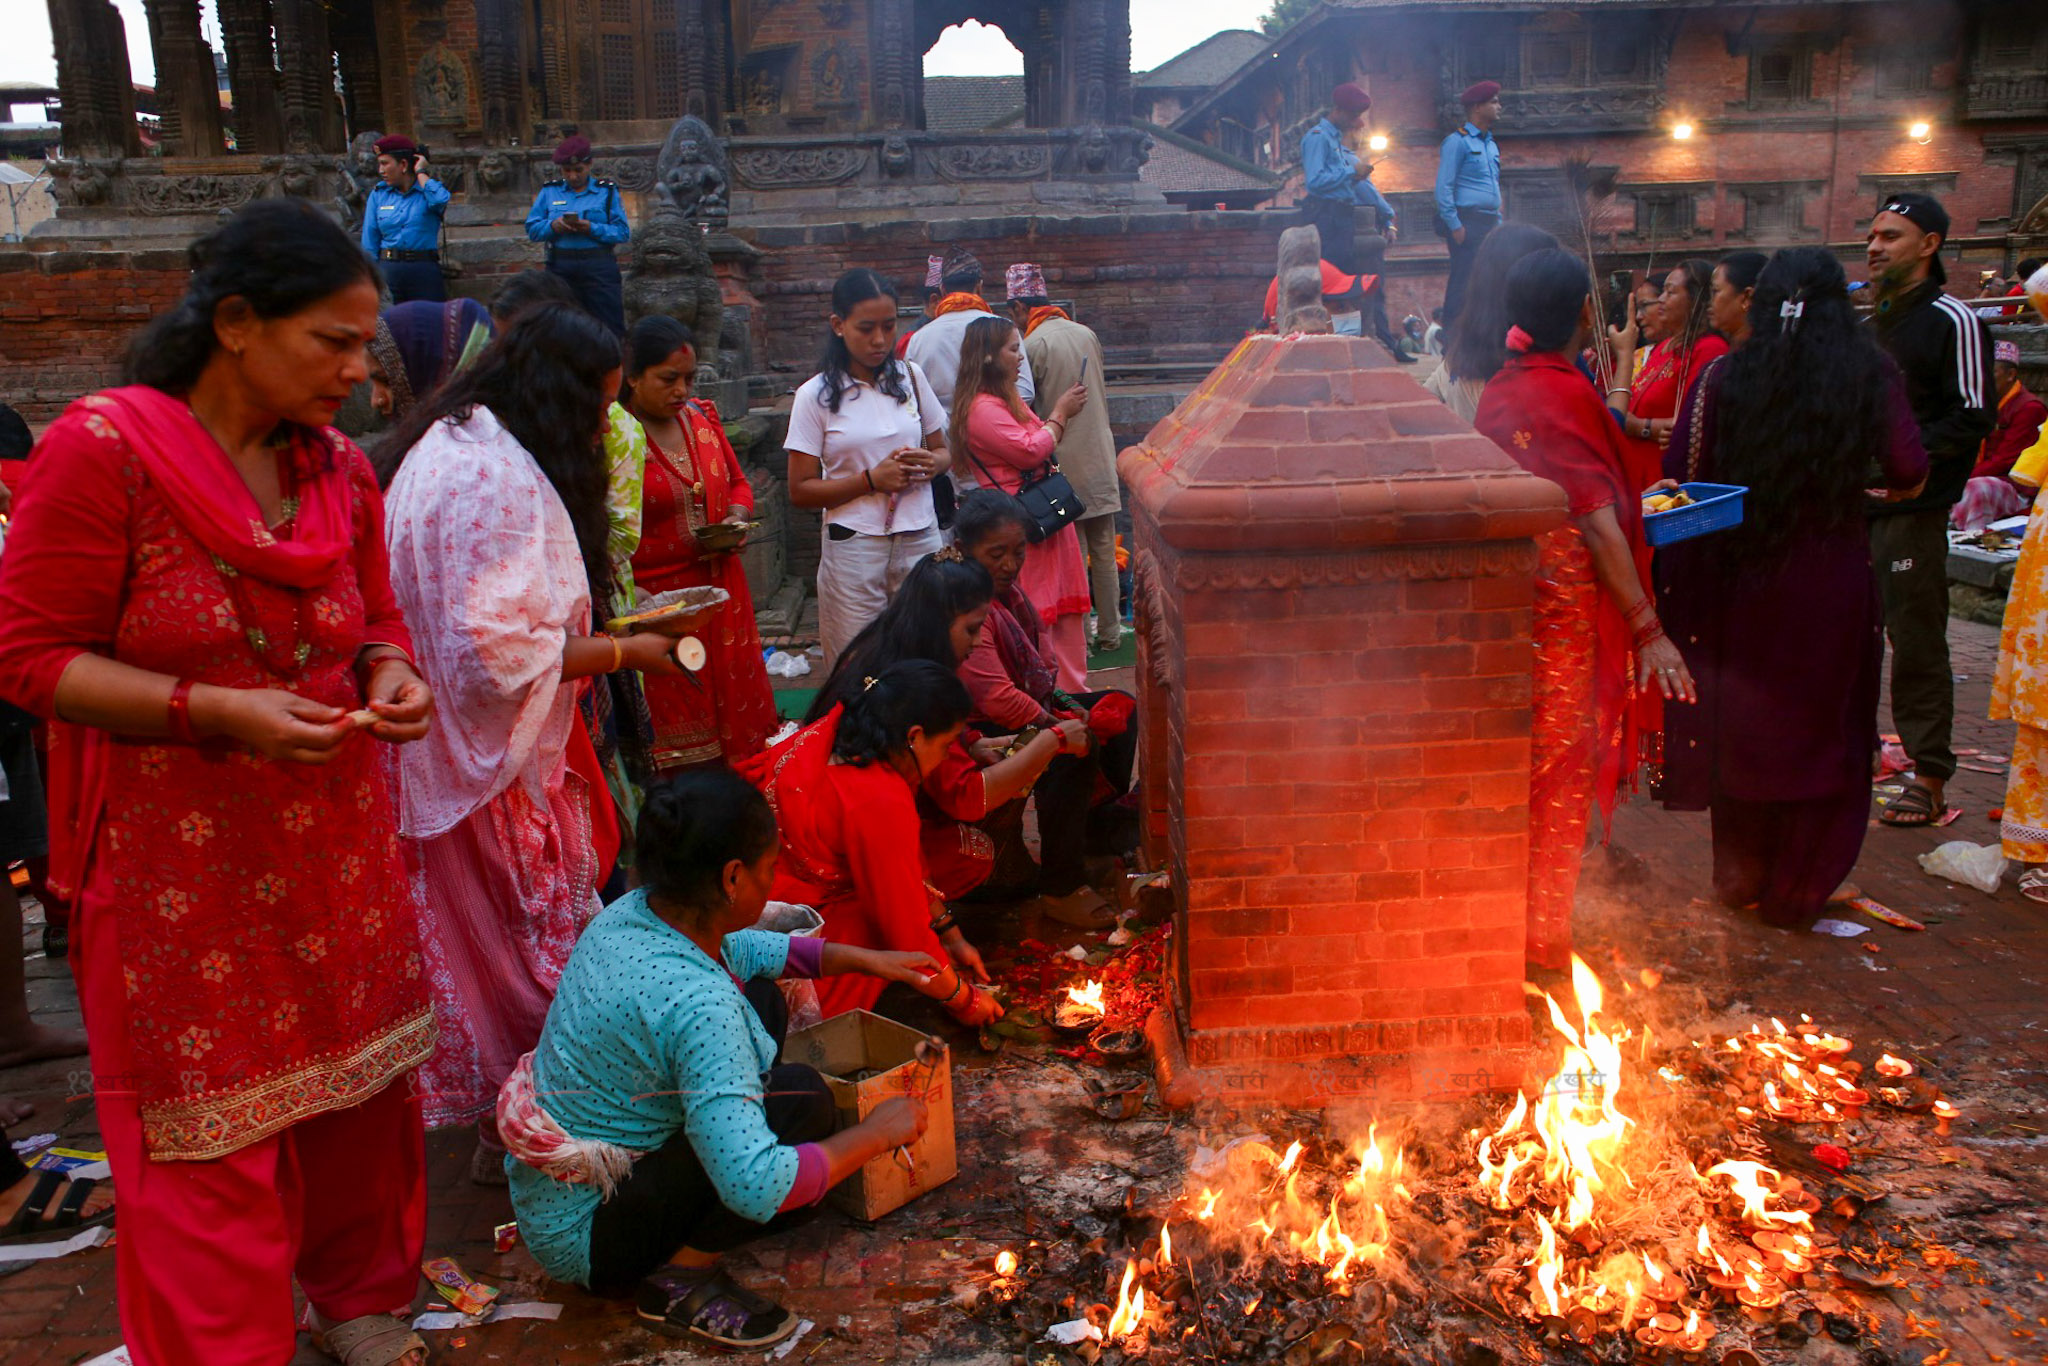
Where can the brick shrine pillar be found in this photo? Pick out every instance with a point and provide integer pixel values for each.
(1334, 588)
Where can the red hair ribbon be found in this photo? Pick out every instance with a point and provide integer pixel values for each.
(1519, 341)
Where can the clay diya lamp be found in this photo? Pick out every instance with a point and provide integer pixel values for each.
(1826, 1047)
(1852, 1100)
(1081, 1012)
(1119, 1044)
(1944, 1116)
(1893, 1068)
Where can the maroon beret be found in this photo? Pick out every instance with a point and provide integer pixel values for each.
(1350, 98)
(397, 145)
(575, 147)
(1479, 93)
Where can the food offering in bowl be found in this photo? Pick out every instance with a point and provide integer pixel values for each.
(722, 537)
(675, 613)
(1664, 502)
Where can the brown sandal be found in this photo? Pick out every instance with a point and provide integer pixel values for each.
(1913, 808)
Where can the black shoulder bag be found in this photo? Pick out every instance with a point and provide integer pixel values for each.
(1047, 495)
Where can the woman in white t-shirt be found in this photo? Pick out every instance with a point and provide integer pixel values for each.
(866, 438)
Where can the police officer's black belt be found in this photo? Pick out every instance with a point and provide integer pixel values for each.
(388, 254)
(601, 249)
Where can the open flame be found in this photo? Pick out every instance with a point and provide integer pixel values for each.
(1165, 1245)
(1087, 996)
(1130, 1304)
(1006, 1263)
(1746, 1179)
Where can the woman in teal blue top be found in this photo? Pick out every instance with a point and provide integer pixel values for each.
(651, 1129)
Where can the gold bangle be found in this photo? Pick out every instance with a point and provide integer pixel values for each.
(618, 654)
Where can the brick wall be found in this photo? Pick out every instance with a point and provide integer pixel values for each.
(65, 320)
(1145, 280)
(1334, 603)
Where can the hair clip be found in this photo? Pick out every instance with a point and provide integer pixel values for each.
(949, 554)
(867, 683)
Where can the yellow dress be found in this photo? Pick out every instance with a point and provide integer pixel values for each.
(2019, 690)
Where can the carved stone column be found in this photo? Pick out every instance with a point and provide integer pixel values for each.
(896, 62)
(93, 84)
(700, 64)
(499, 86)
(252, 75)
(305, 59)
(354, 29)
(188, 98)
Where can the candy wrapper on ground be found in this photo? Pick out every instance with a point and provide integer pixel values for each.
(455, 1286)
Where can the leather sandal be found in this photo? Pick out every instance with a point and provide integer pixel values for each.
(33, 1222)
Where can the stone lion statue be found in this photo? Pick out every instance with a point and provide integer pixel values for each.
(671, 274)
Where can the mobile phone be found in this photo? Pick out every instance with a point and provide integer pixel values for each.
(1084, 368)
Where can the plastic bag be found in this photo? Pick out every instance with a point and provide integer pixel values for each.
(798, 922)
(1974, 865)
(782, 664)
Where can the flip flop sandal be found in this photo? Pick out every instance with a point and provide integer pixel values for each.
(2034, 885)
(29, 1224)
(711, 1308)
(1913, 809)
(371, 1340)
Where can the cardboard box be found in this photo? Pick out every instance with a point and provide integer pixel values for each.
(860, 1041)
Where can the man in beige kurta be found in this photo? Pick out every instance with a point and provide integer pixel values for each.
(1062, 353)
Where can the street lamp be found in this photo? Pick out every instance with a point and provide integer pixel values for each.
(1921, 131)
(1681, 131)
(1378, 142)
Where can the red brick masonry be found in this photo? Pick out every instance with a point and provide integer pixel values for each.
(1334, 606)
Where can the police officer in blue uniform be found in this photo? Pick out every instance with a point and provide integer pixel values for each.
(582, 221)
(402, 222)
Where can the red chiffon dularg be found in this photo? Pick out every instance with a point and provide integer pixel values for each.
(727, 711)
(1544, 413)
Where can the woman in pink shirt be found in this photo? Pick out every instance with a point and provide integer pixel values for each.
(1006, 444)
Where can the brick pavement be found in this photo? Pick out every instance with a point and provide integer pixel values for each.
(1964, 997)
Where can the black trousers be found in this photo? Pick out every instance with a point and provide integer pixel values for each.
(594, 275)
(1910, 550)
(414, 281)
(1337, 225)
(1065, 796)
(1478, 223)
(669, 1202)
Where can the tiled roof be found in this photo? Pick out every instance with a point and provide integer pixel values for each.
(1178, 166)
(1206, 63)
(968, 104)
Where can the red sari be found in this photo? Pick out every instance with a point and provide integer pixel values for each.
(851, 842)
(728, 710)
(1543, 413)
(248, 953)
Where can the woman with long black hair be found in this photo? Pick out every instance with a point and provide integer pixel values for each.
(1779, 619)
(866, 437)
(1473, 353)
(497, 530)
(938, 615)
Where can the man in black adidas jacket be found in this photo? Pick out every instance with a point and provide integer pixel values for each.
(1944, 352)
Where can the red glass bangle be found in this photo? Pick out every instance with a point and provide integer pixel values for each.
(178, 713)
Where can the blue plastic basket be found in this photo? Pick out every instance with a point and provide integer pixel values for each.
(1714, 507)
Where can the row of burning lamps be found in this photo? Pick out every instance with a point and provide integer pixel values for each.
(1572, 1133)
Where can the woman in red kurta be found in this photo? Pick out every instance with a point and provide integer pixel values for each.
(725, 710)
(845, 797)
(195, 584)
(1005, 444)
(1593, 608)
